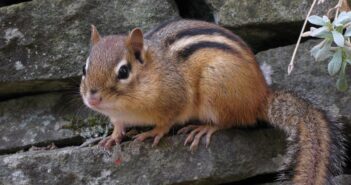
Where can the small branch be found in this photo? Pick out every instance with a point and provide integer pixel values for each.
(291, 64)
(338, 6)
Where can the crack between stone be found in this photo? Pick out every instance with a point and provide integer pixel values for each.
(258, 179)
(11, 2)
(67, 142)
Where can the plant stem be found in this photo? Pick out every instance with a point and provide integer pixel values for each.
(338, 6)
(291, 64)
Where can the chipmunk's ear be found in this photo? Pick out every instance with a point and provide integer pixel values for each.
(136, 40)
(135, 44)
(95, 36)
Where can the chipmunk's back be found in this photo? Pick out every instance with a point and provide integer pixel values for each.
(210, 56)
(185, 37)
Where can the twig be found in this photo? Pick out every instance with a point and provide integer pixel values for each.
(291, 64)
(338, 6)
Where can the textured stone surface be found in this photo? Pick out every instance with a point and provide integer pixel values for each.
(233, 155)
(309, 79)
(265, 24)
(236, 13)
(343, 180)
(39, 120)
(46, 41)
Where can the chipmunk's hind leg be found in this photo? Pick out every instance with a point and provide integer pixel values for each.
(196, 132)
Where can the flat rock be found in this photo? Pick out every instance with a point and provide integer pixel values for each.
(237, 13)
(233, 155)
(41, 120)
(309, 79)
(44, 43)
(265, 24)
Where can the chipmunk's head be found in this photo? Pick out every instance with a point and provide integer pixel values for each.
(114, 71)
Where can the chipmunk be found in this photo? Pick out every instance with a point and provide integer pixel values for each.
(184, 70)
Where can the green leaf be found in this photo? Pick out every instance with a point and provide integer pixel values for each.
(324, 52)
(338, 38)
(343, 18)
(322, 32)
(326, 19)
(335, 63)
(314, 19)
(341, 83)
(314, 50)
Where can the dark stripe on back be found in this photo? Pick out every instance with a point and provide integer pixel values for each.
(187, 51)
(150, 33)
(204, 31)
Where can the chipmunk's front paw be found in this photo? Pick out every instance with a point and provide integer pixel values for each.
(109, 142)
(115, 138)
(157, 133)
(196, 133)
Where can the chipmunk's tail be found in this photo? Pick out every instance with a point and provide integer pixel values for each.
(316, 152)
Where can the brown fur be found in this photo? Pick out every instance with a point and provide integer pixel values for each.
(314, 151)
(219, 82)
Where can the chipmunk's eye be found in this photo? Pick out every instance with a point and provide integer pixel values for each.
(123, 72)
(84, 72)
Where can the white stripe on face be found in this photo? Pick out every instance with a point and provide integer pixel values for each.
(87, 64)
(86, 67)
(120, 64)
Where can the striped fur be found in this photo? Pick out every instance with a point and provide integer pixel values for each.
(192, 48)
(204, 31)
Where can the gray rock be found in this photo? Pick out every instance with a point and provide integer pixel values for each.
(309, 79)
(265, 24)
(41, 120)
(342, 180)
(233, 155)
(237, 13)
(44, 43)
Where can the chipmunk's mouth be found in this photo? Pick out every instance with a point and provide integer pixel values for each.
(100, 105)
(91, 105)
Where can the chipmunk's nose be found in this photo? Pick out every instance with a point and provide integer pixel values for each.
(93, 91)
(94, 101)
(94, 98)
